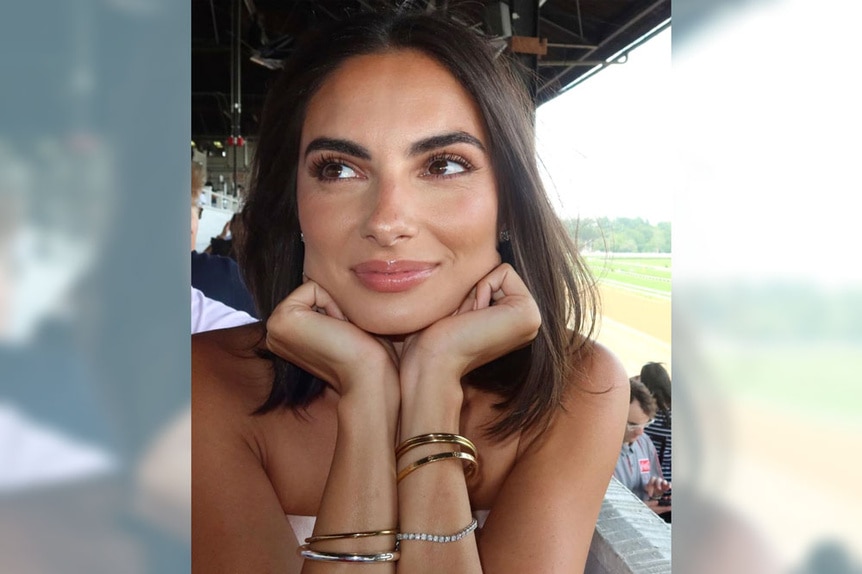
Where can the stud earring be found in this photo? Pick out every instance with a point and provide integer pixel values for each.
(301, 237)
(504, 236)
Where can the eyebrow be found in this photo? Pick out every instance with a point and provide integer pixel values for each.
(338, 145)
(422, 146)
(443, 140)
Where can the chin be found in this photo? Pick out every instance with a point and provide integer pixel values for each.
(390, 322)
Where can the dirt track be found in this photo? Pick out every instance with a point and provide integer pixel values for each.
(637, 328)
(649, 315)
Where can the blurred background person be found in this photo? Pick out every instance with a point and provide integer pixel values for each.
(638, 468)
(225, 243)
(218, 277)
(656, 378)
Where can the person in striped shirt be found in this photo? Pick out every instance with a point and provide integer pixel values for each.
(657, 380)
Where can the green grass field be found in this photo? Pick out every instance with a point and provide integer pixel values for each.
(650, 274)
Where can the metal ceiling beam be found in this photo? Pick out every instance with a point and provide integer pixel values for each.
(606, 41)
(563, 29)
(580, 22)
(573, 46)
(525, 22)
(573, 63)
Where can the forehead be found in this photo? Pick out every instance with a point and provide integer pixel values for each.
(398, 91)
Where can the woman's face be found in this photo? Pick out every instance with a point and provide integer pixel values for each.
(397, 199)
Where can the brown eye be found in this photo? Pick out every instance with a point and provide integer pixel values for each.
(332, 171)
(438, 167)
(443, 166)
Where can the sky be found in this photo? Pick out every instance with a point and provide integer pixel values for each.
(606, 144)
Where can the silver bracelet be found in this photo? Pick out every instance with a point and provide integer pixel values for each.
(310, 554)
(437, 537)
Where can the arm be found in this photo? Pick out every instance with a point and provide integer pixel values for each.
(545, 514)
(360, 491)
(563, 474)
(434, 499)
(309, 329)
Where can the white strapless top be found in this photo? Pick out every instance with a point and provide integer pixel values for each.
(303, 526)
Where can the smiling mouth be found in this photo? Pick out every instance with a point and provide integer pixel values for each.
(393, 276)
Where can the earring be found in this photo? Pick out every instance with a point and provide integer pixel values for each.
(504, 236)
(301, 237)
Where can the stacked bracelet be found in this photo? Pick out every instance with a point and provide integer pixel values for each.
(320, 537)
(437, 537)
(433, 438)
(310, 554)
(306, 552)
(436, 457)
(468, 452)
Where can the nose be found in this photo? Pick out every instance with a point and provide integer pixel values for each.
(390, 217)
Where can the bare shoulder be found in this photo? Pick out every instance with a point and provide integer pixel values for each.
(555, 489)
(227, 372)
(237, 514)
(597, 370)
(230, 381)
(594, 404)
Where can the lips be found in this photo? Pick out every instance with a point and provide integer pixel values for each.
(393, 276)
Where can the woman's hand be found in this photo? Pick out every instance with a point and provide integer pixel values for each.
(499, 315)
(308, 329)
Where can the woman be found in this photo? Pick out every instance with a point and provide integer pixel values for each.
(416, 370)
(657, 380)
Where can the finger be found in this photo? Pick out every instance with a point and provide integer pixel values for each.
(312, 296)
(469, 302)
(512, 321)
(502, 282)
(483, 294)
(324, 300)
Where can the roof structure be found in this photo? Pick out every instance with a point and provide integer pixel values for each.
(237, 45)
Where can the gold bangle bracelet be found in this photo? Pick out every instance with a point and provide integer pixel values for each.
(367, 534)
(432, 438)
(434, 458)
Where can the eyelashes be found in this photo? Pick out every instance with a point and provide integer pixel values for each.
(445, 161)
(332, 168)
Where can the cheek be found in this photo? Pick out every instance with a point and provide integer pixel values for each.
(472, 219)
(324, 227)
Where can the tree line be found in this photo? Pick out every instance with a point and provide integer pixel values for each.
(620, 235)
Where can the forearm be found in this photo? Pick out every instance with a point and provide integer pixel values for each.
(433, 498)
(360, 494)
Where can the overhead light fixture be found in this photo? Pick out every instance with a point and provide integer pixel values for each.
(498, 19)
(217, 144)
(270, 63)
